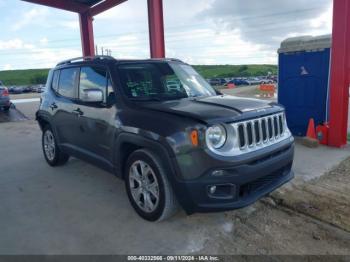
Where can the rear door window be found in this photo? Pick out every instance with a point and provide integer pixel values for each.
(67, 82)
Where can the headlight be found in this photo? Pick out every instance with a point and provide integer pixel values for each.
(216, 136)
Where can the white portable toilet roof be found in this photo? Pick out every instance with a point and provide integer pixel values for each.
(305, 43)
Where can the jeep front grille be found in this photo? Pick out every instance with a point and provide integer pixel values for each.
(251, 135)
(260, 132)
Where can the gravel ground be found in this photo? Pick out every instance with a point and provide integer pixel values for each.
(326, 199)
(24, 95)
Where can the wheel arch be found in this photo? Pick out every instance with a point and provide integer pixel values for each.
(128, 143)
(42, 120)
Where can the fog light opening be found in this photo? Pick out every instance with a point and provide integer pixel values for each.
(218, 173)
(212, 190)
(225, 191)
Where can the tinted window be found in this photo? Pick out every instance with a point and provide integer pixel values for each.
(150, 80)
(55, 79)
(93, 78)
(67, 82)
(165, 81)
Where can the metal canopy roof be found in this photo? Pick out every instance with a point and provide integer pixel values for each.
(88, 2)
(93, 7)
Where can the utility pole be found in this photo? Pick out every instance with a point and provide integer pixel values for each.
(104, 50)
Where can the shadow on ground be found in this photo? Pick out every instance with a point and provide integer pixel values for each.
(13, 115)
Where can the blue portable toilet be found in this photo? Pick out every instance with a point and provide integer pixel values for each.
(303, 80)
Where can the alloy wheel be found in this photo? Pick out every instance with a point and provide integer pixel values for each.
(49, 145)
(144, 186)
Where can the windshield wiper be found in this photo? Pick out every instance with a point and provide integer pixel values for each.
(146, 99)
(158, 98)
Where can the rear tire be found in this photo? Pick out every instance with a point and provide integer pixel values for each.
(52, 153)
(148, 187)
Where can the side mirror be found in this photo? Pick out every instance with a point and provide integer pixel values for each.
(92, 96)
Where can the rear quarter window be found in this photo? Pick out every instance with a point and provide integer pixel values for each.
(68, 82)
(55, 79)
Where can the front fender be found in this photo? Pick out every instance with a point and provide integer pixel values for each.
(160, 147)
(167, 156)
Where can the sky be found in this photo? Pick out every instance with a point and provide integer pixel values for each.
(196, 31)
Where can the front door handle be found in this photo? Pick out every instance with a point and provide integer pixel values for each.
(78, 112)
(53, 106)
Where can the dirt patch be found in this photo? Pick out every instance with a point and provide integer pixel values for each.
(326, 199)
(263, 229)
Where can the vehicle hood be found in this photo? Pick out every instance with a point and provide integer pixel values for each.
(215, 109)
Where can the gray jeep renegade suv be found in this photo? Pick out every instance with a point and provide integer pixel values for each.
(162, 128)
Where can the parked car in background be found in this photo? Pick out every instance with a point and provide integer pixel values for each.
(40, 89)
(245, 82)
(238, 82)
(253, 81)
(4, 97)
(217, 82)
(34, 89)
(274, 78)
(27, 89)
(16, 90)
(266, 81)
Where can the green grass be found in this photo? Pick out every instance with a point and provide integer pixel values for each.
(38, 76)
(210, 71)
(24, 77)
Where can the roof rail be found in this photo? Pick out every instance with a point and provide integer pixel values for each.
(174, 59)
(85, 58)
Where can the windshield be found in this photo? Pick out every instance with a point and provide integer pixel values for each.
(162, 81)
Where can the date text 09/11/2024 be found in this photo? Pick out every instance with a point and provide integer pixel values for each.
(173, 258)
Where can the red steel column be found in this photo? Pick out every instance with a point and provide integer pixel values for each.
(87, 34)
(156, 28)
(340, 72)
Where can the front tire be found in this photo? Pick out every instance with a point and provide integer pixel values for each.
(52, 153)
(148, 188)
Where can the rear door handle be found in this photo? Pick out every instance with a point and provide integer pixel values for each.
(78, 112)
(53, 106)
